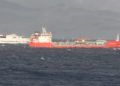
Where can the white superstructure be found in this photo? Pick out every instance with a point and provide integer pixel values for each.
(13, 39)
(44, 37)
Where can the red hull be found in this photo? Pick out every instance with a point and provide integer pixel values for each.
(50, 45)
(40, 45)
(109, 44)
(78, 46)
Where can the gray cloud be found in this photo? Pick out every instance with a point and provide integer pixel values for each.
(88, 4)
(65, 18)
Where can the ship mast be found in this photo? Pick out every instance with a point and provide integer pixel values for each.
(44, 30)
(118, 37)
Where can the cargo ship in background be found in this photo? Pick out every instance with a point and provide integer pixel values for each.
(44, 40)
(13, 39)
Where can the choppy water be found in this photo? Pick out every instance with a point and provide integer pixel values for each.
(24, 66)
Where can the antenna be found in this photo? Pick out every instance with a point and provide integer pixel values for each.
(118, 37)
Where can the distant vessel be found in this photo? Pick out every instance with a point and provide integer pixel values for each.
(13, 39)
(44, 40)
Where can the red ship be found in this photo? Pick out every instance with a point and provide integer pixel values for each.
(44, 40)
(41, 40)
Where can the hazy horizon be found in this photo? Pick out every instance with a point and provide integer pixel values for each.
(64, 18)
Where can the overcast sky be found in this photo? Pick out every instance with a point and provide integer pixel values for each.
(64, 18)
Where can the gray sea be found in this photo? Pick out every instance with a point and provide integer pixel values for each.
(24, 66)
